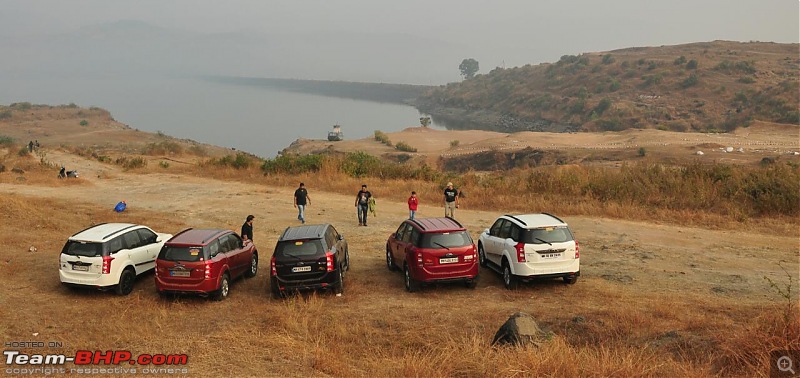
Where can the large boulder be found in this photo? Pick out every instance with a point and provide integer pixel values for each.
(520, 329)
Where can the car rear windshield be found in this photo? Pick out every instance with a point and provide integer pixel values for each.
(80, 248)
(189, 254)
(445, 240)
(547, 235)
(299, 248)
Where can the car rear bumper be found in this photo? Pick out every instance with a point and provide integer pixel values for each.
(99, 280)
(204, 287)
(325, 282)
(427, 276)
(550, 270)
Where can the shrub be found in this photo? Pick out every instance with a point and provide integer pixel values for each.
(21, 105)
(163, 164)
(5, 114)
(293, 164)
(604, 105)
(241, 160)
(23, 151)
(642, 151)
(405, 147)
(137, 162)
(608, 59)
(692, 65)
(6, 140)
(380, 136)
(84, 123)
(454, 143)
(680, 60)
(690, 81)
(614, 86)
(165, 147)
(198, 150)
(746, 80)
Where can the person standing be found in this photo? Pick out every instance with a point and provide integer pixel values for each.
(450, 200)
(301, 200)
(247, 228)
(362, 204)
(413, 202)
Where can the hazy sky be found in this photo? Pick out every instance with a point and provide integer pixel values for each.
(496, 32)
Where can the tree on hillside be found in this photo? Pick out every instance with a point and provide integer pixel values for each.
(468, 68)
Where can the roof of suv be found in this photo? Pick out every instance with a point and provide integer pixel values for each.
(436, 224)
(537, 220)
(196, 236)
(102, 232)
(313, 231)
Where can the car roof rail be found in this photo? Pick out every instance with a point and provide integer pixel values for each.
(456, 222)
(92, 226)
(517, 219)
(283, 234)
(418, 224)
(120, 230)
(190, 228)
(557, 218)
(213, 235)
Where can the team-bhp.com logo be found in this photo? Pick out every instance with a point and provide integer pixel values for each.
(86, 362)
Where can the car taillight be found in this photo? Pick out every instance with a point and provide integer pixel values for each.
(207, 273)
(471, 254)
(329, 261)
(155, 271)
(273, 270)
(107, 264)
(419, 259)
(577, 250)
(520, 252)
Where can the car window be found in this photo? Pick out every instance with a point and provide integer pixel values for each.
(515, 232)
(189, 254)
(330, 238)
(132, 239)
(299, 248)
(234, 241)
(147, 236)
(446, 240)
(400, 230)
(213, 248)
(495, 230)
(114, 245)
(80, 248)
(547, 235)
(415, 237)
(223, 244)
(505, 230)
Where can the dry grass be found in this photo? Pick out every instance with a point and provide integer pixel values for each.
(376, 329)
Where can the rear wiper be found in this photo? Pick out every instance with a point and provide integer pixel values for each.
(441, 246)
(544, 241)
(291, 255)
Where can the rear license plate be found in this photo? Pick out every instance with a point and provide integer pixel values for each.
(298, 269)
(550, 256)
(179, 273)
(82, 268)
(448, 260)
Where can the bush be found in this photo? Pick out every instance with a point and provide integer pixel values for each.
(614, 86)
(608, 59)
(680, 60)
(604, 105)
(405, 147)
(747, 80)
(23, 151)
(692, 65)
(454, 143)
(380, 136)
(690, 81)
(293, 164)
(163, 164)
(642, 151)
(5, 114)
(164, 147)
(21, 105)
(84, 123)
(241, 160)
(6, 140)
(137, 162)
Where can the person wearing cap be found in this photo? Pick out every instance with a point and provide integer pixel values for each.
(362, 204)
(301, 200)
(247, 228)
(450, 200)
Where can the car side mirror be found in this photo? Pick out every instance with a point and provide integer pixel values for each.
(340, 237)
(486, 231)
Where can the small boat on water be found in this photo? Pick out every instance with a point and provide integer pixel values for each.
(336, 134)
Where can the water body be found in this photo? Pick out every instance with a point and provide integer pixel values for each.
(258, 120)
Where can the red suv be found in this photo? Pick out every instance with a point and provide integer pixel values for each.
(433, 250)
(204, 261)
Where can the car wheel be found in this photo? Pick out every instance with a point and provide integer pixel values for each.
(390, 260)
(571, 279)
(509, 281)
(472, 283)
(253, 267)
(276, 291)
(125, 285)
(482, 256)
(412, 285)
(224, 288)
(338, 286)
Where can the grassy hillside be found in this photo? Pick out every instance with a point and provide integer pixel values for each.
(710, 86)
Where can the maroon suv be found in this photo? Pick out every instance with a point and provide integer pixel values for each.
(204, 261)
(433, 250)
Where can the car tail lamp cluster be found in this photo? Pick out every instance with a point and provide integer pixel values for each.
(472, 254)
(329, 261)
(107, 264)
(577, 250)
(207, 273)
(273, 270)
(520, 252)
(419, 259)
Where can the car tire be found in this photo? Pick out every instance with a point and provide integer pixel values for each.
(390, 260)
(412, 285)
(224, 288)
(473, 283)
(126, 279)
(509, 281)
(253, 267)
(482, 256)
(276, 291)
(571, 279)
(338, 286)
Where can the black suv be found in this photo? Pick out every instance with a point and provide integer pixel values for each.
(309, 257)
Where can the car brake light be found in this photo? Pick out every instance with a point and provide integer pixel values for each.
(207, 274)
(520, 252)
(577, 250)
(273, 270)
(329, 261)
(107, 264)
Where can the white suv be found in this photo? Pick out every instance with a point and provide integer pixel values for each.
(522, 247)
(109, 255)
